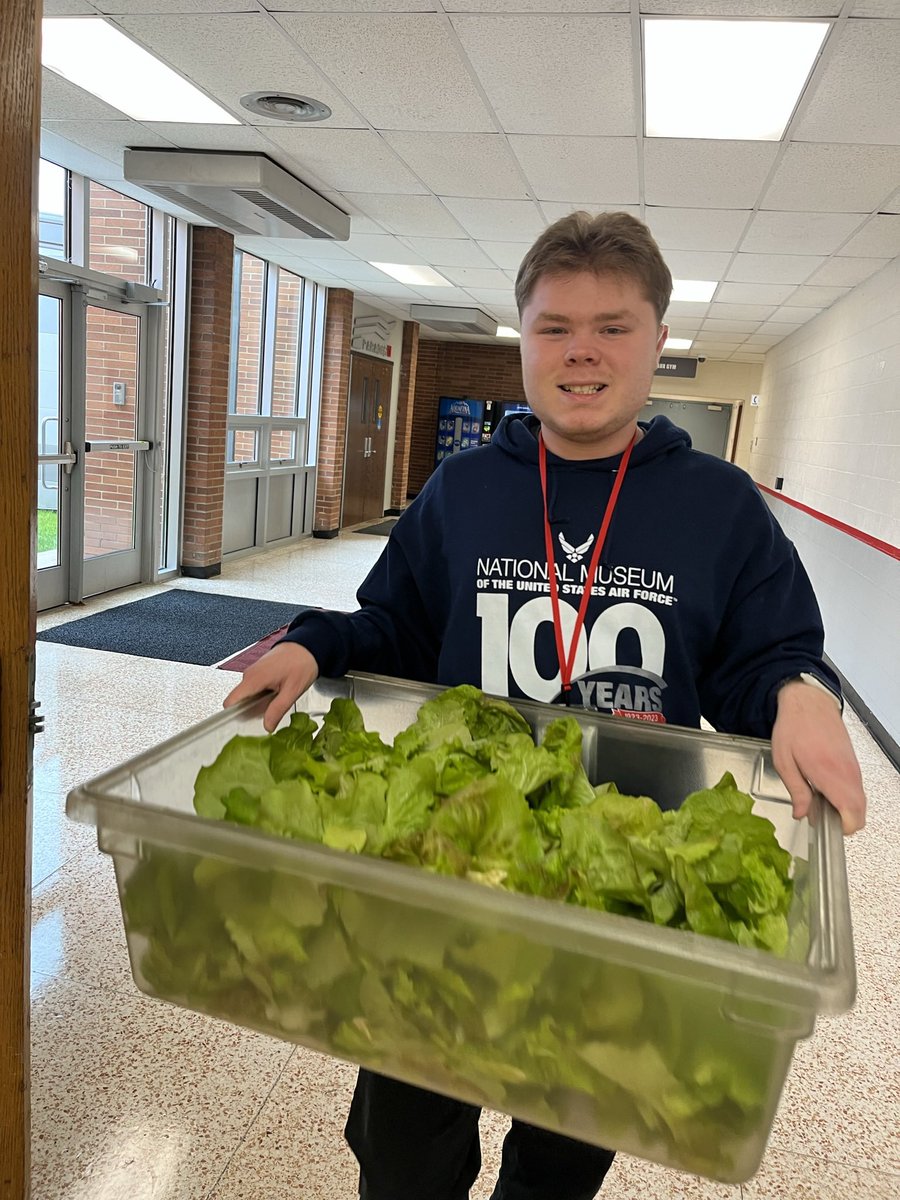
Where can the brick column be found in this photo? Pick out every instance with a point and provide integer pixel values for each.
(406, 403)
(424, 428)
(333, 412)
(212, 266)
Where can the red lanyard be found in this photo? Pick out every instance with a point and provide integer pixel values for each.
(567, 662)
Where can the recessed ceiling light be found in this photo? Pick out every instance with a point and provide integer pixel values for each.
(700, 290)
(285, 106)
(413, 276)
(676, 343)
(507, 331)
(99, 58)
(726, 79)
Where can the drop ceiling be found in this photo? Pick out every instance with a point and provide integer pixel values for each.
(461, 129)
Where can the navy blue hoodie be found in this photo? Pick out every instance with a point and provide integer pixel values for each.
(699, 605)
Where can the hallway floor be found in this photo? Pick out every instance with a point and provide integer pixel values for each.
(133, 1099)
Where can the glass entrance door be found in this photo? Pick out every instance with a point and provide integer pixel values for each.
(56, 456)
(111, 484)
(93, 440)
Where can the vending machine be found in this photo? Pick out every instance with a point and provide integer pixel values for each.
(459, 426)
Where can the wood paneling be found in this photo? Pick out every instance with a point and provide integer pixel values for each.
(19, 76)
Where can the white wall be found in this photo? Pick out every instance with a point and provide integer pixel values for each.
(829, 423)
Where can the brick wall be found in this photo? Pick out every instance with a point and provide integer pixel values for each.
(249, 351)
(405, 413)
(333, 412)
(464, 369)
(118, 234)
(212, 264)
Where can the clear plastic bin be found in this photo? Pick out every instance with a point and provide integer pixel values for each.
(662, 1043)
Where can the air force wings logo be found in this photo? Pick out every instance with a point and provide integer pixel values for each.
(575, 553)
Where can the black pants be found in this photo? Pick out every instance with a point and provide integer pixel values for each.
(415, 1145)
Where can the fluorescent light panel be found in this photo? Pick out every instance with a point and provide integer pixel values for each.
(97, 57)
(676, 343)
(726, 79)
(412, 276)
(507, 331)
(694, 289)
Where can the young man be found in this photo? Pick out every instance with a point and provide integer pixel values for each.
(586, 559)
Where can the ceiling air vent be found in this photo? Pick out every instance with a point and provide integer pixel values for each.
(447, 319)
(243, 193)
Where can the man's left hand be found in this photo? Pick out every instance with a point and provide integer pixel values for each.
(811, 749)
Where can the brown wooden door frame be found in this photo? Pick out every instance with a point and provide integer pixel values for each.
(19, 141)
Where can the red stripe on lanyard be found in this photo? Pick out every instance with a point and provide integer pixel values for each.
(567, 661)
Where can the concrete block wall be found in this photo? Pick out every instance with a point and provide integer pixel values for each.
(829, 425)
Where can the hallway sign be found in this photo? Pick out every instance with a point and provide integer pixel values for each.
(681, 368)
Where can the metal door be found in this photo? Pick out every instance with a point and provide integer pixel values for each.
(93, 440)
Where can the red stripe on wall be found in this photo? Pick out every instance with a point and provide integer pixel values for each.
(875, 543)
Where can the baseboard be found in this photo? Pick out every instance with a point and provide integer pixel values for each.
(325, 533)
(208, 572)
(394, 512)
(880, 735)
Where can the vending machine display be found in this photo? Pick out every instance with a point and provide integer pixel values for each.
(459, 426)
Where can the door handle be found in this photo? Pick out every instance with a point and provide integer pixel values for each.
(97, 447)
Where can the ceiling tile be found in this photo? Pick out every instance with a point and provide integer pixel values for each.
(697, 228)
(716, 336)
(781, 328)
(554, 211)
(449, 252)
(753, 293)
(878, 238)
(497, 219)
(540, 73)
(211, 137)
(492, 295)
(372, 247)
(61, 100)
(402, 6)
(794, 313)
(412, 216)
(750, 8)
(856, 94)
(356, 271)
(874, 8)
(741, 312)
(816, 297)
(461, 164)
(773, 268)
(68, 8)
(762, 341)
(476, 277)
(507, 255)
(400, 70)
(314, 249)
(107, 138)
(348, 160)
(541, 6)
(732, 325)
(169, 7)
(798, 232)
(359, 222)
(231, 54)
(714, 349)
(444, 295)
(595, 170)
(742, 356)
(697, 264)
(842, 178)
(698, 173)
(846, 272)
(689, 309)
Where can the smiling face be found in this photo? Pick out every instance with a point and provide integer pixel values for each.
(590, 344)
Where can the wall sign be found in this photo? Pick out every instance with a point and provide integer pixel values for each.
(681, 368)
(370, 335)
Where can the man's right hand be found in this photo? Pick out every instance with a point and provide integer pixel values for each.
(288, 669)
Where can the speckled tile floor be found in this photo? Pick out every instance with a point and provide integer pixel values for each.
(136, 1099)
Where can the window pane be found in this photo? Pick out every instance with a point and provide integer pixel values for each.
(249, 336)
(243, 446)
(287, 345)
(118, 234)
(52, 192)
(283, 445)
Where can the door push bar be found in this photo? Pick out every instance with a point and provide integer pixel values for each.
(94, 447)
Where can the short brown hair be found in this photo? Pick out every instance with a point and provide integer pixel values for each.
(609, 243)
